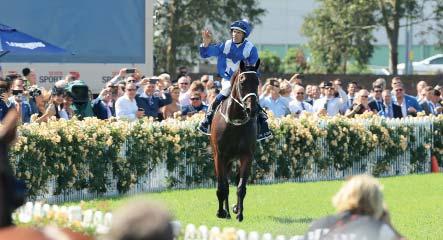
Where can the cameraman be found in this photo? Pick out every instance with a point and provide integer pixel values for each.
(81, 105)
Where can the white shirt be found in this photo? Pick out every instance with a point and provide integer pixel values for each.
(332, 105)
(126, 108)
(279, 107)
(184, 98)
(296, 106)
(404, 110)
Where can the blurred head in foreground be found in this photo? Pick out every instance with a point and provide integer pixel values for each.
(141, 220)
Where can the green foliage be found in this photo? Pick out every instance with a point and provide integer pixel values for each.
(178, 32)
(82, 154)
(295, 61)
(338, 32)
(269, 62)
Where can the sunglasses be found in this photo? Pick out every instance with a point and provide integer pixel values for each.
(378, 91)
(195, 99)
(329, 88)
(131, 81)
(300, 93)
(398, 90)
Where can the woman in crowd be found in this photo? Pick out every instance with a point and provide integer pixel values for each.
(361, 214)
(54, 107)
(169, 110)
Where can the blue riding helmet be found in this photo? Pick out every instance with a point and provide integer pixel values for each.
(243, 26)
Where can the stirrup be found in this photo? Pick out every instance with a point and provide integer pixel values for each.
(264, 136)
(202, 130)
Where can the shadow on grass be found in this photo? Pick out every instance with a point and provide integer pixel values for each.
(291, 220)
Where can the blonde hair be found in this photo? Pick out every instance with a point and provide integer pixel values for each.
(362, 194)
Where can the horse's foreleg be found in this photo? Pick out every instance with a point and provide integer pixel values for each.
(222, 192)
(241, 187)
(222, 186)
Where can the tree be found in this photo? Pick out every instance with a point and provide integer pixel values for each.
(295, 61)
(338, 31)
(270, 62)
(177, 32)
(390, 13)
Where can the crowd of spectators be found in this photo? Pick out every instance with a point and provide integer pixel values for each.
(131, 95)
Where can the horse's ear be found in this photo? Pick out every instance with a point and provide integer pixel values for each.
(257, 64)
(242, 66)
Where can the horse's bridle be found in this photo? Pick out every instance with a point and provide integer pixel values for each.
(240, 101)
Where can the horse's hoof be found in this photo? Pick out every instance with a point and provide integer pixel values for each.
(228, 216)
(240, 217)
(235, 209)
(222, 214)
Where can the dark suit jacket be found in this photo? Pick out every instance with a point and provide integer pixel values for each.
(153, 105)
(3, 109)
(426, 108)
(374, 106)
(410, 102)
(99, 110)
(395, 109)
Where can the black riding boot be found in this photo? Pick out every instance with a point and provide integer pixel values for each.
(262, 125)
(204, 125)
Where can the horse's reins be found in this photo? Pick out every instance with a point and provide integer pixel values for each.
(240, 101)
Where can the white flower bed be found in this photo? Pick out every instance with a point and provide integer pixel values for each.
(99, 223)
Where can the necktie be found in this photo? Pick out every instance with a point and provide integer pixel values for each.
(303, 106)
(379, 105)
(351, 101)
(326, 104)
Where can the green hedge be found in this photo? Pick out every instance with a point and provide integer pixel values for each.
(80, 154)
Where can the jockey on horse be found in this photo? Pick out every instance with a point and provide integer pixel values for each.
(229, 54)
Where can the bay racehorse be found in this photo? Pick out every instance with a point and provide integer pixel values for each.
(233, 136)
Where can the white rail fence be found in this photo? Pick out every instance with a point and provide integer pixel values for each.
(156, 179)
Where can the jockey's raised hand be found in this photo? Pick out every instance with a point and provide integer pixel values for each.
(207, 37)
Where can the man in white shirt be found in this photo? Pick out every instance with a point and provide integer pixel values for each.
(126, 106)
(274, 102)
(184, 84)
(329, 104)
(298, 105)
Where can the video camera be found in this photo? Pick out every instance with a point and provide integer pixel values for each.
(78, 90)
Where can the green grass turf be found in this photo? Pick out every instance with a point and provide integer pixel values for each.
(415, 203)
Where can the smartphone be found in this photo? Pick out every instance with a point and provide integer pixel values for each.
(3, 90)
(130, 70)
(153, 80)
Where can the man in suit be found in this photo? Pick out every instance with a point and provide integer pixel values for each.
(389, 109)
(430, 104)
(409, 105)
(101, 106)
(376, 105)
(151, 100)
(196, 105)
